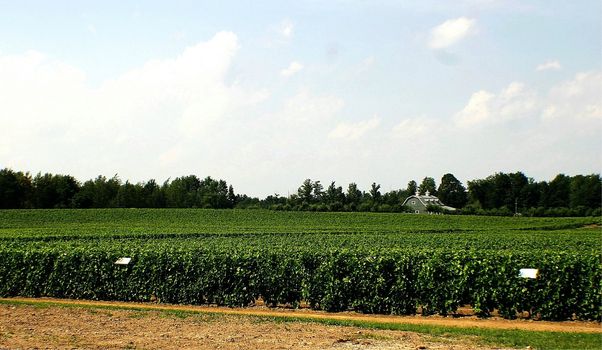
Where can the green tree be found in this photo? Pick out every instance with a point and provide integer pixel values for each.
(130, 196)
(305, 191)
(585, 191)
(531, 194)
(479, 193)
(394, 199)
(451, 191)
(428, 184)
(44, 194)
(334, 197)
(231, 197)
(15, 189)
(98, 193)
(318, 191)
(353, 197)
(153, 195)
(54, 191)
(212, 193)
(182, 192)
(375, 193)
(411, 188)
(559, 190)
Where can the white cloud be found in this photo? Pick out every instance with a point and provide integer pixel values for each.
(483, 107)
(292, 69)
(414, 127)
(353, 131)
(576, 99)
(136, 124)
(476, 110)
(542, 132)
(286, 28)
(549, 65)
(450, 32)
(516, 102)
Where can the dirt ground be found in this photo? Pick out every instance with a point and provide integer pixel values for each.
(84, 326)
(30, 327)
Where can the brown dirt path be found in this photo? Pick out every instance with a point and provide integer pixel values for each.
(56, 327)
(464, 322)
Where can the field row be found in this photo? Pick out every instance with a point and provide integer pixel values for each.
(567, 285)
(373, 263)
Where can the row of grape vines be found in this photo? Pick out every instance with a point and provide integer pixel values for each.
(368, 262)
(568, 285)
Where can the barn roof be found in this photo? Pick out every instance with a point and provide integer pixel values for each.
(428, 199)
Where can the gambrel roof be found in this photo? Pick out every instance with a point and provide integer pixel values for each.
(428, 199)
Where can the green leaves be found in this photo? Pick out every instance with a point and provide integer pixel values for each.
(371, 263)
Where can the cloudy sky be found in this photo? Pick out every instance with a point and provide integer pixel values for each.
(265, 94)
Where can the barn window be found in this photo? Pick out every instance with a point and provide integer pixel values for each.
(413, 202)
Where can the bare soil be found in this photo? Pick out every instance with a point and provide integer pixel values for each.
(85, 326)
(30, 327)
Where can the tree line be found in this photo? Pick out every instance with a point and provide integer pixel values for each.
(497, 194)
(21, 190)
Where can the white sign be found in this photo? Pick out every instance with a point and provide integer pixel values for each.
(528, 273)
(123, 261)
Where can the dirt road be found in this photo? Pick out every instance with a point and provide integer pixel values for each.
(495, 323)
(33, 327)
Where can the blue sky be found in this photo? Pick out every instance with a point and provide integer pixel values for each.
(265, 94)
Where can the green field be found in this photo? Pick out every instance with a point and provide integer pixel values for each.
(369, 262)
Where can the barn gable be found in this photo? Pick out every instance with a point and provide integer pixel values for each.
(419, 203)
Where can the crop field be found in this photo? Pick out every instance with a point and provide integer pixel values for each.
(368, 262)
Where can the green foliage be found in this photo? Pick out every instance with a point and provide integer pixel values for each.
(451, 192)
(15, 189)
(372, 263)
(428, 185)
(498, 194)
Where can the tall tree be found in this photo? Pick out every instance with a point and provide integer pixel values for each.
(375, 193)
(182, 192)
(212, 193)
(532, 193)
(334, 196)
(480, 193)
(231, 197)
(318, 191)
(15, 189)
(66, 189)
(585, 191)
(130, 196)
(518, 184)
(154, 197)
(428, 184)
(305, 191)
(412, 188)
(353, 196)
(98, 193)
(451, 191)
(559, 190)
(54, 191)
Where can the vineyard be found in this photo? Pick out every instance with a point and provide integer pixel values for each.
(368, 262)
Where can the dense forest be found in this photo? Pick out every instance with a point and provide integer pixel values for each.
(498, 194)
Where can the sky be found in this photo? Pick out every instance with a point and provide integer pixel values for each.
(265, 94)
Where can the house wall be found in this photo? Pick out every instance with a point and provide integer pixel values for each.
(416, 205)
